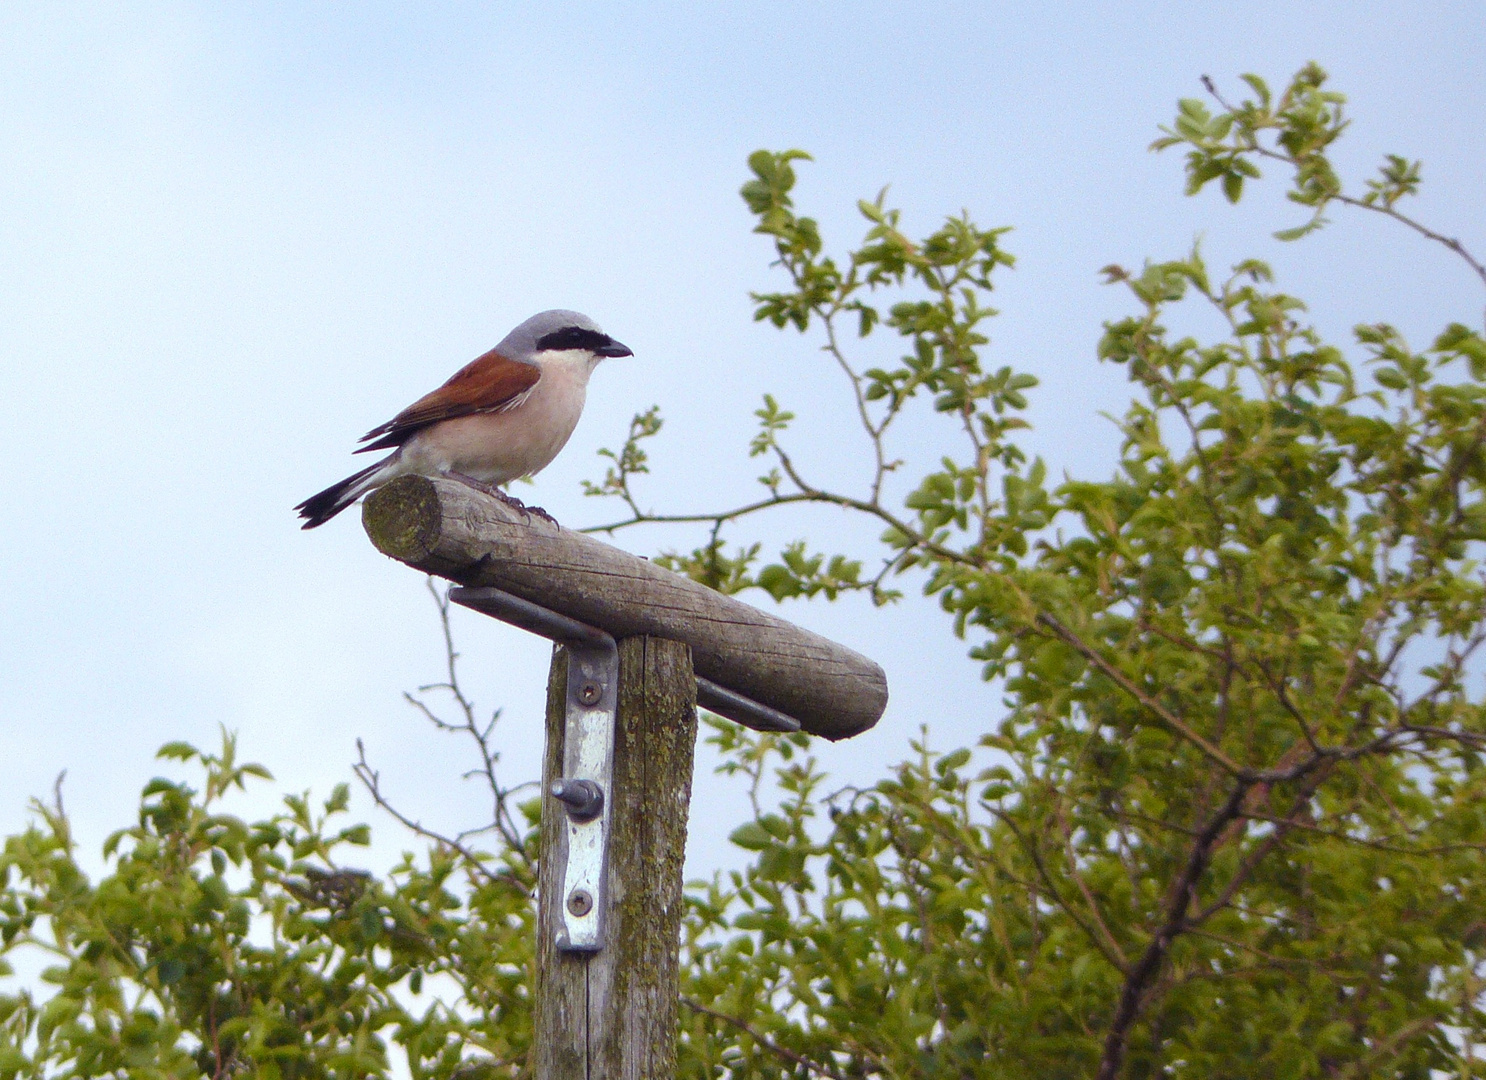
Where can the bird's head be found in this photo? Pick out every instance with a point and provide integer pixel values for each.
(558, 331)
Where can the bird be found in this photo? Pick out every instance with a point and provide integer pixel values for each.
(504, 415)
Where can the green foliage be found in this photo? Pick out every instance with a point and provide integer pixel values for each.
(215, 947)
(630, 459)
(1231, 820)
(1296, 130)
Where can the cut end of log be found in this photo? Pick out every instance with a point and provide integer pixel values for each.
(404, 518)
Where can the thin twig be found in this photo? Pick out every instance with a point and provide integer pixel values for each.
(1110, 942)
(371, 780)
(1123, 682)
(1388, 1045)
(503, 821)
(819, 1068)
(1114, 956)
(1362, 841)
(1349, 200)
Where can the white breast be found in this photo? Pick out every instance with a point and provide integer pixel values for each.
(496, 448)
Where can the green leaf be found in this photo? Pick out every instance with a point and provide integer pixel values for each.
(751, 837)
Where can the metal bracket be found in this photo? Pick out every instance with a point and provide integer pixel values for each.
(584, 791)
(588, 751)
(742, 710)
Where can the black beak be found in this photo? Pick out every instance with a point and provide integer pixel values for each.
(614, 349)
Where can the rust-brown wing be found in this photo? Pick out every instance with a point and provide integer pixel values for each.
(486, 384)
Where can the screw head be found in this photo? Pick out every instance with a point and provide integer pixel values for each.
(589, 693)
(580, 903)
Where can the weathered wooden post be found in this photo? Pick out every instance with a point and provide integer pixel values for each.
(639, 648)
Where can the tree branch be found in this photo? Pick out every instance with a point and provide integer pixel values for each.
(1183, 891)
(1121, 680)
(371, 780)
(783, 1052)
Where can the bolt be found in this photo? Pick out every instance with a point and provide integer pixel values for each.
(589, 693)
(583, 798)
(580, 903)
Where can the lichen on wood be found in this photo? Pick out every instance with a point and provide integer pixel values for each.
(404, 519)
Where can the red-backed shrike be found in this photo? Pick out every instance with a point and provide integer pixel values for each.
(503, 416)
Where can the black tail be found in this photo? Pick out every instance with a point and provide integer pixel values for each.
(318, 509)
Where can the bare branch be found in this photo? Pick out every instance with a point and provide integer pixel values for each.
(502, 818)
(371, 780)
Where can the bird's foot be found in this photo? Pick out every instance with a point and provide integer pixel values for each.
(529, 511)
(510, 500)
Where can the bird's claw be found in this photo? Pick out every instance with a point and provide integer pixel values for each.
(529, 511)
(516, 504)
(510, 500)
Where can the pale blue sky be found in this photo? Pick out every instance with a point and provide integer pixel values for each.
(233, 237)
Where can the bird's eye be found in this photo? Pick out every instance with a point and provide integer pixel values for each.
(573, 337)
